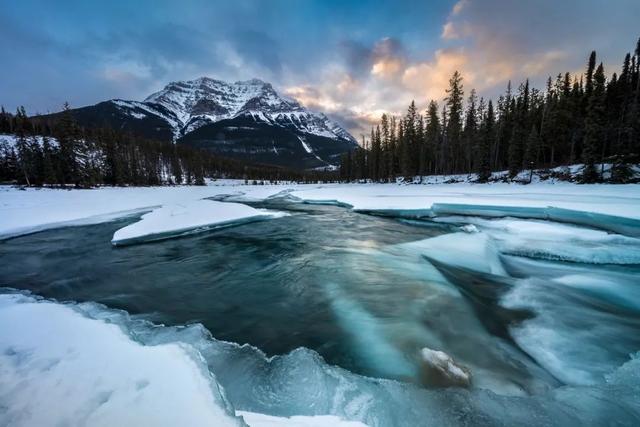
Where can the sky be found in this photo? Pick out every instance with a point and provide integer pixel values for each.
(352, 60)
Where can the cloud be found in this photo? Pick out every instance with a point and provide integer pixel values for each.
(459, 6)
(449, 32)
(352, 60)
(430, 79)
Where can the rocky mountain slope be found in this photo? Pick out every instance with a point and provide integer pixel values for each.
(246, 119)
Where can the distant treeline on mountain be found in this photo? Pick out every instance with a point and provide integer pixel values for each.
(36, 152)
(584, 119)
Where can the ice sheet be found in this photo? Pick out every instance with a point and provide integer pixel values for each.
(186, 218)
(614, 207)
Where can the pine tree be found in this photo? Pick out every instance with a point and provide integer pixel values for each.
(433, 134)
(531, 150)
(518, 135)
(387, 155)
(470, 130)
(486, 142)
(453, 101)
(591, 66)
(48, 168)
(594, 126)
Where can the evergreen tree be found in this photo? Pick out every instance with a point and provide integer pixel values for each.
(455, 92)
(594, 126)
(470, 131)
(433, 135)
(486, 142)
(387, 155)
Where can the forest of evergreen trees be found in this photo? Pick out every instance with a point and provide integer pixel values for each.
(61, 153)
(576, 119)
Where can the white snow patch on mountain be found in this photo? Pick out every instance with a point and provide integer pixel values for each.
(196, 103)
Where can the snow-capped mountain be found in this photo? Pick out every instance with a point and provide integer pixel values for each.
(198, 102)
(245, 119)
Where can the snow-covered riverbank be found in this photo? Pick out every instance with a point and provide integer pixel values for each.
(536, 314)
(26, 211)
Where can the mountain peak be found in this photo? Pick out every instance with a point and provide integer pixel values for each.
(195, 103)
(252, 82)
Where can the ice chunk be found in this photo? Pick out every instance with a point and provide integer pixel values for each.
(617, 224)
(262, 420)
(576, 336)
(469, 228)
(61, 368)
(440, 370)
(475, 251)
(187, 218)
(554, 241)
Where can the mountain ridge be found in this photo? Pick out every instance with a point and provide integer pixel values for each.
(244, 119)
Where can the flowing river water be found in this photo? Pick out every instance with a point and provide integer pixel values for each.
(367, 294)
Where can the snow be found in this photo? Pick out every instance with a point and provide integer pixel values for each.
(84, 364)
(305, 145)
(65, 364)
(138, 116)
(261, 420)
(62, 368)
(11, 141)
(255, 98)
(34, 210)
(188, 217)
(309, 150)
(552, 241)
(611, 207)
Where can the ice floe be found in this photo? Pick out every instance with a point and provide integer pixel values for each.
(187, 218)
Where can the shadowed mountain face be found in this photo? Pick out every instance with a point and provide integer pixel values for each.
(246, 120)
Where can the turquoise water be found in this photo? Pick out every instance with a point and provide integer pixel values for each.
(358, 290)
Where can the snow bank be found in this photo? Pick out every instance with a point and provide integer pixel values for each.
(61, 368)
(33, 210)
(187, 218)
(611, 207)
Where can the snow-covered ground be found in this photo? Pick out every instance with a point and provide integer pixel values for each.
(612, 207)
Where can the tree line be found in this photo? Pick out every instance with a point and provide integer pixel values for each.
(65, 154)
(575, 119)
